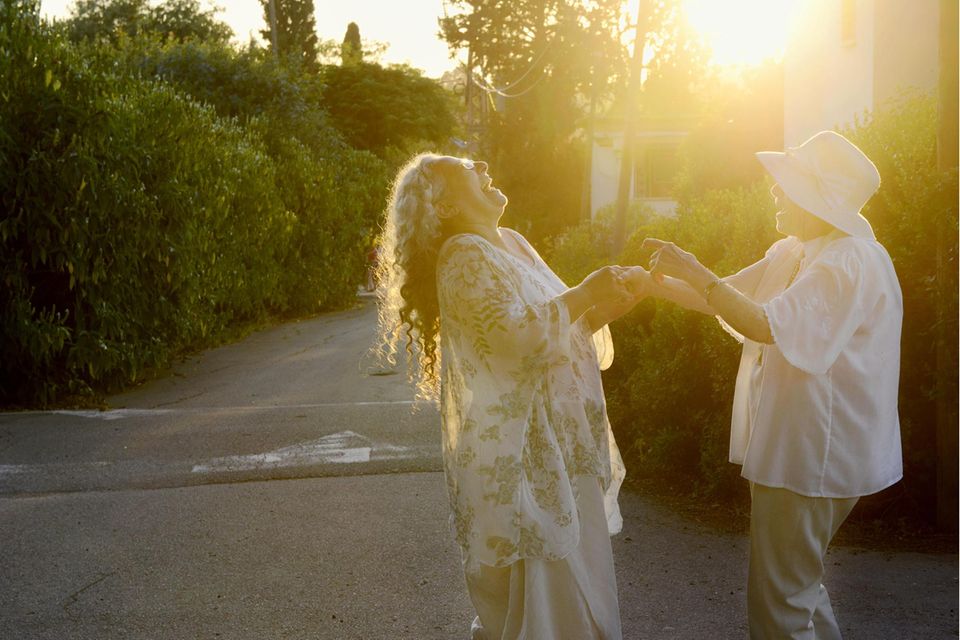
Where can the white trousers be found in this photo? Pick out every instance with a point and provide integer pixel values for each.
(570, 599)
(789, 534)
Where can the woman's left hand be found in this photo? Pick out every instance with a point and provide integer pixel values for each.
(637, 281)
(636, 285)
(670, 260)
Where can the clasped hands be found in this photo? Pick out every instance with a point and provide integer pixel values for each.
(670, 260)
(628, 285)
(615, 290)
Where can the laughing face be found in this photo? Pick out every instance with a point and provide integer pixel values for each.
(469, 189)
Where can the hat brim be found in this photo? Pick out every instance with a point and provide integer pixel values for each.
(802, 190)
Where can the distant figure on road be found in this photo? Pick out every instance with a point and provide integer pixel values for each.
(373, 258)
(815, 421)
(532, 468)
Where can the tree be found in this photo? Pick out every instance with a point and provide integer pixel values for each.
(351, 50)
(178, 20)
(296, 35)
(184, 19)
(382, 109)
(546, 65)
(741, 117)
(537, 62)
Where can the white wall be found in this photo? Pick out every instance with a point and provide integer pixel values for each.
(605, 171)
(906, 51)
(826, 82)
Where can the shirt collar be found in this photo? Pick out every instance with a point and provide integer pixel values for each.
(812, 248)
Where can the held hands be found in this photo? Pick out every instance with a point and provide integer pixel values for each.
(616, 284)
(670, 260)
(615, 290)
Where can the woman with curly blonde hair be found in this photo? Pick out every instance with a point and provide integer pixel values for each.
(531, 465)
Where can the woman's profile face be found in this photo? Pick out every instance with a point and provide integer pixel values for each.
(793, 220)
(470, 189)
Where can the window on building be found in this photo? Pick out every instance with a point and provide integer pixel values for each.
(654, 169)
(848, 22)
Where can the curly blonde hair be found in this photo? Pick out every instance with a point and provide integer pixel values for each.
(408, 311)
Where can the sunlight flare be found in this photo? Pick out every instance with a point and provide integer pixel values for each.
(742, 32)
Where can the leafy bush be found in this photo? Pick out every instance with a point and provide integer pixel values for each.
(335, 192)
(670, 388)
(915, 217)
(139, 222)
(381, 108)
(173, 19)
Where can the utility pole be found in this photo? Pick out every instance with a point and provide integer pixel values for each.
(634, 84)
(586, 194)
(946, 364)
(273, 28)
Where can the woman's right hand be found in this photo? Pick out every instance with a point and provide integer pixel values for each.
(607, 283)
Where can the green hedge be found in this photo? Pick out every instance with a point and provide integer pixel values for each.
(138, 222)
(670, 388)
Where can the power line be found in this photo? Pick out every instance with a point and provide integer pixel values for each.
(502, 91)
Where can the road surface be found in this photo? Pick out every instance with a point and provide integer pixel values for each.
(285, 487)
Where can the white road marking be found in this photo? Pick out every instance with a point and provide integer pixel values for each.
(113, 414)
(117, 414)
(345, 447)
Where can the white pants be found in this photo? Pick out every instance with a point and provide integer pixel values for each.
(570, 599)
(789, 534)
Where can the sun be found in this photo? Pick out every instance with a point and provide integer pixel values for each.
(742, 32)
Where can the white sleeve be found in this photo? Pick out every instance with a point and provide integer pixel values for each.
(603, 343)
(480, 299)
(814, 319)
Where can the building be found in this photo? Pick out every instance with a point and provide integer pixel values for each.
(655, 162)
(845, 57)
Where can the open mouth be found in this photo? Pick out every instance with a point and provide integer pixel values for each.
(487, 187)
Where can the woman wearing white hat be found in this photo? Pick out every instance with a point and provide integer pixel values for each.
(815, 421)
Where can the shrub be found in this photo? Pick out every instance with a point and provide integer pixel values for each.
(670, 388)
(139, 222)
(335, 192)
(382, 108)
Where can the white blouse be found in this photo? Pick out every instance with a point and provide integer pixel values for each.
(522, 405)
(816, 412)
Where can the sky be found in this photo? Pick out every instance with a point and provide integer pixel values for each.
(739, 31)
(409, 26)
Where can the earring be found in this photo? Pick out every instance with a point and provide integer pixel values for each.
(445, 210)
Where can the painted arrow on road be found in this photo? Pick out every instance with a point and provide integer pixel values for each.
(345, 447)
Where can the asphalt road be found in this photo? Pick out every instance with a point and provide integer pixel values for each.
(283, 487)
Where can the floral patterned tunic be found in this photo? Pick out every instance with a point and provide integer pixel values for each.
(522, 405)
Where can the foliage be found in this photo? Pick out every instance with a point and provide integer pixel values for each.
(296, 35)
(138, 222)
(351, 49)
(670, 388)
(534, 72)
(742, 116)
(179, 20)
(533, 51)
(334, 189)
(675, 64)
(915, 217)
(382, 108)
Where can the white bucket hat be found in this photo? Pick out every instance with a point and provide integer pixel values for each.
(828, 176)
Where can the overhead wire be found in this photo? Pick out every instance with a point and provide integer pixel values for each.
(502, 91)
(483, 85)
